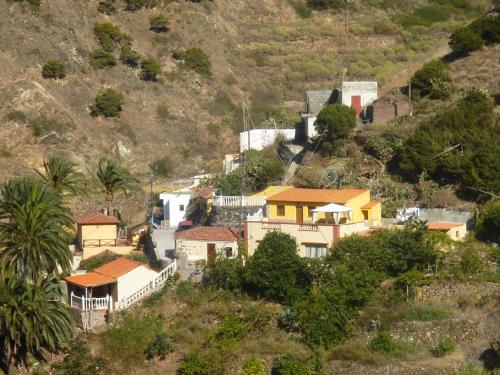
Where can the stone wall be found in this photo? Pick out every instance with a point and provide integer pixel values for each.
(455, 291)
(442, 214)
(230, 216)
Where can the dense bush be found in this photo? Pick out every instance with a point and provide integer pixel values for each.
(326, 4)
(158, 347)
(130, 57)
(383, 342)
(470, 122)
(444, 347)
(107, 7)
(335, 122)
(109, 36)
(196, 60)
(465, 40)
(470, 264)
(79, 361)
(276, 271)
(159, 23)
(108, 103)
(54, 69)
(290, 365)
(150, 69)
(100, 59)
(230, 330)
(224, 273)
(434, 71)
(194, 364)
(253, 366)
(44, 125)
(488, 223)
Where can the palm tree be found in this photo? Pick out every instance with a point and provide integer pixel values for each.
(33, 229)
(111, 178)
(62, 175)
(32, 318)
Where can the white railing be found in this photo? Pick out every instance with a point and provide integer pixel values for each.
(237, 201)
(86, 304)
(259, 215)
(155, 283)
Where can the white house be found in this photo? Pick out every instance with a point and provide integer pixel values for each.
(359, 94)
(205, 243)
(175, 205)
(261, 138)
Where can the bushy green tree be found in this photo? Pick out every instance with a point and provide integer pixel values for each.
(335, 122)
(108, 104)
(488, 27)
(194, 364)
(54, 69)
(100, 59)
(488, 223)
(276, 271)
(150, 69)
(109, 36)
(159, 23)
(421, 82)
(130, 57)
(290, 365)
(196, 60)
(465, 40)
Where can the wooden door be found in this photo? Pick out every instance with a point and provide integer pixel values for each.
(211, 252)
(356, 104)
(299, 214)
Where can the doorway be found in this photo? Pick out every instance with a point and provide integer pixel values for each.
(299, 216)
(211, 252)
(356, 104)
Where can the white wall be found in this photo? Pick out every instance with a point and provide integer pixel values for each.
(309, 126)
(367, 91)
(197, 250)
(134, 280)
(260, 138)
(172, 203)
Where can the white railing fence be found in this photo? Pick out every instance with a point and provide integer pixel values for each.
(236, 201)
(157, 282)
(86, 304)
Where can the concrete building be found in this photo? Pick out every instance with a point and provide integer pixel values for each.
(261, 138)
(359, 94)
(315, 217)
(206, 243)
(456, 231)
(175, 205)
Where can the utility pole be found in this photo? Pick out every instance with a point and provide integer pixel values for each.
(347, 15)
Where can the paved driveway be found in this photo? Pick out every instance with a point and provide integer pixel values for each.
(164, 243)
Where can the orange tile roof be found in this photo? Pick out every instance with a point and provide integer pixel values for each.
(443, 226)
(338, 196)
(93, 218)
(118, 267)
(371, 204)
(90, 279)
(207, 234)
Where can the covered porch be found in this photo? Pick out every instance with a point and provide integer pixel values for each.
(332, 214)
(92, 291)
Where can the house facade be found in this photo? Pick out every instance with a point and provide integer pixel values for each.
(456, 231)
(315, 217)
(96, 233)
(175, 206)
(206, 243)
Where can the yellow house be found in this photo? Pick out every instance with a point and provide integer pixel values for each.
(456, 231)
(96, 232)
(315, 217)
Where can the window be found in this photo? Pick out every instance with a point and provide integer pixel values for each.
(309, 211)
(181, 207)
(280, 210)
(457, 234)
(229, 252)
(315, 251)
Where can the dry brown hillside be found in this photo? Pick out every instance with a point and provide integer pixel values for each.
(261, 52)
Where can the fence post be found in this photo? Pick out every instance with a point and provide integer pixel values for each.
(71, 299)
(110, 303)
(83, 304)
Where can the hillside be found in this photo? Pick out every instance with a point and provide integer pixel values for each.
(261, 52)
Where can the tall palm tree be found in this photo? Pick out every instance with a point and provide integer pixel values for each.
(62, 175)
(111, 177)
(32, 318)
(33, 229)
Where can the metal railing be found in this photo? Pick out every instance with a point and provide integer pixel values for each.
(237, 201)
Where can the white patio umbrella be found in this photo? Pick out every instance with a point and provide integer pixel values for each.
(335, 209)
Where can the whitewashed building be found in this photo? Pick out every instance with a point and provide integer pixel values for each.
(261, 138)
(175, 206)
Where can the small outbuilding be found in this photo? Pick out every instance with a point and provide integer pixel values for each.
(206, 243)
(456, 231)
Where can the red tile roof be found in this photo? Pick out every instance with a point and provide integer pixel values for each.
(93, 218)
(316, 195)
(443, 226)
(371, 204)
(207, 234)
(105, 274)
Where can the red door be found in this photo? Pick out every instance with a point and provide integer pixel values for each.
(356, 104)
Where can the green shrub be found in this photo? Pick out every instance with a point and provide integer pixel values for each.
(301, 8)
(109, 36)
(465, 40)
(224, 273)
(42, 125)
(472, 369)
(290, 365)
(470, 264)
(150, 69)
(130, 57)
(335, 122)
(54, 69)
(326, 4)
(158, 347)
(100, 59)
(108, 103)
(17, 116)
(162, 168)
(488, 27)
(79, 361)
(162, 113)
(159, 23)
(107, 7)
(196, 60)
(133, 5)
(383, 342)
(421, 82)
(194, 364)
(231, 329)
(253, 366)
(488, 223)
(427, 312)
(445, 346)
(35, 4)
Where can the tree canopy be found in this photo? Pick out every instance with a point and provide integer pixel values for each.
(335, 122)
